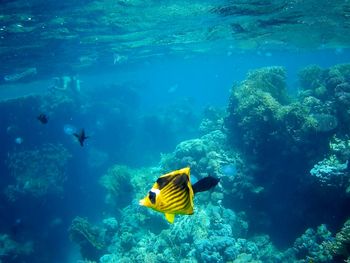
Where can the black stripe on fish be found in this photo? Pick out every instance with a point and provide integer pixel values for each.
(180, 201)
(175, 180)
(172, 194)
(170, 201)
(167, 193)
(182, 179)
(163, 181)
(173, 189)
(184, 206)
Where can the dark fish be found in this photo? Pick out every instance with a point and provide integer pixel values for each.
(173, 193)
(81, 137)
(205, 184)
(43, 118)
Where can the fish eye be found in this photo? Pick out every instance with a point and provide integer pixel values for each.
(152, 197)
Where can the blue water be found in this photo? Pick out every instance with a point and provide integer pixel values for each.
(152, 86)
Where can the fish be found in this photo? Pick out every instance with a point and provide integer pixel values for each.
(173, 193)
(43, 118)
(81, 137)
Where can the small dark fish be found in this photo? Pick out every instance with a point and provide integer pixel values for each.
(81, 137)
(43, 118)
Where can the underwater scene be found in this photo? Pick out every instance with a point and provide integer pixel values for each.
(174, 131)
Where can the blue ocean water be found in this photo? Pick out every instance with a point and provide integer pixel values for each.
(253, 94)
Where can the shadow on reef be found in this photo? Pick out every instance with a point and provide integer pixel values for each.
(283, 138)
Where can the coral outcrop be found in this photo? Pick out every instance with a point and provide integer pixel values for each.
(263, 120)
(37, 172)
(11, 250)
(92, 239)
(213, 233)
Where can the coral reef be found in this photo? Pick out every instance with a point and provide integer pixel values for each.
(333, 170)
(321, 245)
(310, 79)
(117, 183)
(332, 88)
(10, 249)
(281, 139)
(268, 140)
(261, 113)
(340, 245)
(210, 155)
(37, 172)
(91, 239)
(213, 119)
(62, 102)
(212, 234)
(204, 155)
(123, 183)
(312, 245)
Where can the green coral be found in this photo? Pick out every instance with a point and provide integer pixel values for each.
(310, 79)
(271, 80)
(341, 71)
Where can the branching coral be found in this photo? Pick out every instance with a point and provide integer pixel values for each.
(38, 172)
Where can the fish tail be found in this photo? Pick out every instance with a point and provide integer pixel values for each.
(205, 184)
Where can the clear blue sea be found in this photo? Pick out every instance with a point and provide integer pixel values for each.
(100, 98)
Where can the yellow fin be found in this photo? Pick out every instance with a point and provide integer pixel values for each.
(170, 217)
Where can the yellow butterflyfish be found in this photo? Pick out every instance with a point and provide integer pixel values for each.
(173, 193)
